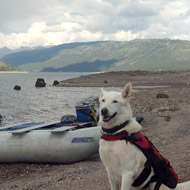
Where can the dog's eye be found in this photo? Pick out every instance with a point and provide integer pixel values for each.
(115, 101)
(103, 100)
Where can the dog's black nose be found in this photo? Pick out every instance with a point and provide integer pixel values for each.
(104, 111)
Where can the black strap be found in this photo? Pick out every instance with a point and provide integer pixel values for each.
(158, 179)
(147, 170)
(132, 138)
(116, 128)
(162, 172)
(142, 177)
(161, 176)
(152, 179)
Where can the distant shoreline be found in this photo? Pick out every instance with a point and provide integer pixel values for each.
(13, 72)
(138, 78)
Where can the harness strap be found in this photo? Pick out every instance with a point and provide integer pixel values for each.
(161, 176)
(158, 179)
(142, 177)
(159, 182)
(147, 170)
(132, 138)
(152, 179)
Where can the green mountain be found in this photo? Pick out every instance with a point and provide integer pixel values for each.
(40, 54)
(147, 54)
(6, 67)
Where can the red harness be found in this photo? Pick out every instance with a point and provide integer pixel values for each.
(113, 137)
(164, 173)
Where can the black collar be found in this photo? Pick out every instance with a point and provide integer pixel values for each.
(116, 128)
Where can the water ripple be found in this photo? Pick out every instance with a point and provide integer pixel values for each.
(38, 104)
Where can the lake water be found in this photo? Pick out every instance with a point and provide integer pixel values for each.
(39, 104)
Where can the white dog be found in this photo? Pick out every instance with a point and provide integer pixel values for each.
(123, 160)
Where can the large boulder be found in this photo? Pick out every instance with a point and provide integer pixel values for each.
(40, 82)
(17, 87)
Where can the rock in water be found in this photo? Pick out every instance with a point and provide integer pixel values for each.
(1, 118)
(17, 87)
(55, 83)
(40, 82)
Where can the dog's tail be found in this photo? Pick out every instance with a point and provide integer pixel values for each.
(183, 186)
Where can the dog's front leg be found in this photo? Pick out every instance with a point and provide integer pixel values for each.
(113, 184)
(127, 180)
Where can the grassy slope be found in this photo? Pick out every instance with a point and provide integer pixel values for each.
(6, 67)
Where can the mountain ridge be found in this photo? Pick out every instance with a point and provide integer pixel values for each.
(143, 54)
(37, 55)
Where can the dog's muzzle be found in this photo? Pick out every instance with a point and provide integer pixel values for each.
(105, 115)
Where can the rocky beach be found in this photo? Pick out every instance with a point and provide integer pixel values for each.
(162, 98)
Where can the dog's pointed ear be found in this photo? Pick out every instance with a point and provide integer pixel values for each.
(126, 92)
(102, 93)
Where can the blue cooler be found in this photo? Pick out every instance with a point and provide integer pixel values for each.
(84, 113)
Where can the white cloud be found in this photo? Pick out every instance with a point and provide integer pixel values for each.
(125, 36)
(47, 22)
(174, 9)
(64, 27)
(40, 34)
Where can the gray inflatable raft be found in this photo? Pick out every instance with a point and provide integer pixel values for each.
(39, 143)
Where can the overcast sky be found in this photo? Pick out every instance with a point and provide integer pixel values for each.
(52, 22)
